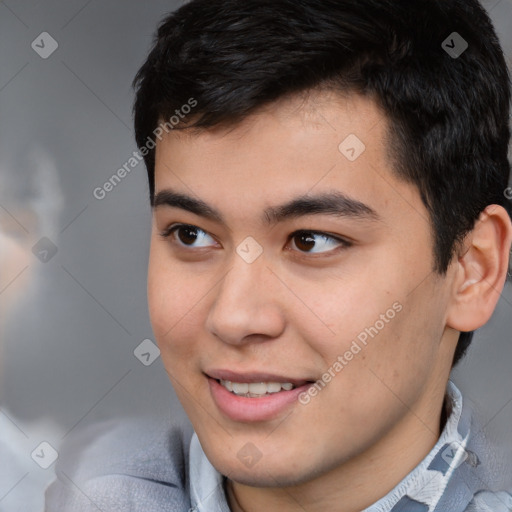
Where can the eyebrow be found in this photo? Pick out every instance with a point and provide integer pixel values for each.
(330, 203)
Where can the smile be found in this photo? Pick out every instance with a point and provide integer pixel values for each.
(254, 397)
(256, 389)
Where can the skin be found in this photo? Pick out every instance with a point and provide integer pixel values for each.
(296, 308)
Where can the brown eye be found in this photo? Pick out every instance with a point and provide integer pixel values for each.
(308, 241)
(186, 235)
(304, 242)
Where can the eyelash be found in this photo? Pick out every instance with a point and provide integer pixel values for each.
(344, 243)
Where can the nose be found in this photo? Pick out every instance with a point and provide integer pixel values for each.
(246, 304)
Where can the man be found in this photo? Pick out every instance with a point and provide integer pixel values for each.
(330, 226)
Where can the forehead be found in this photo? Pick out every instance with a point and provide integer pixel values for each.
(297, 146)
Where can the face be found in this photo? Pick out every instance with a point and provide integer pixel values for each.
(296, 258)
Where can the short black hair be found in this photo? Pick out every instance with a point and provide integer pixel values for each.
(447, 105)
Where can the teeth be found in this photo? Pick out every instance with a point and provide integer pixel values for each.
(273, 387)
(240, 388)
(256, 389)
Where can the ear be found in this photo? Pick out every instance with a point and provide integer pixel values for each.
(481, 270)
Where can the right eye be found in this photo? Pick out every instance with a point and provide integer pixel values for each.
(185, 235)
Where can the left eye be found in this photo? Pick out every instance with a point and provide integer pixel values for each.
(311, 242)
(306, 241)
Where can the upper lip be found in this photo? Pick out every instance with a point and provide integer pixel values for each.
(254, 377)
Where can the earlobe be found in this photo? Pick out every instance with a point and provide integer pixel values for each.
(481, 270)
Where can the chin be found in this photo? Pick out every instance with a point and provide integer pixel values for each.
(266, 477)
(268, 472)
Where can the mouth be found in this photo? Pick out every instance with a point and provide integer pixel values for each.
(251, 397)
(256, 389)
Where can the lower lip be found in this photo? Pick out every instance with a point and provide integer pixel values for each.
(243, 409)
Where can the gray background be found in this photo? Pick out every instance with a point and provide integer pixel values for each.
(67, 343)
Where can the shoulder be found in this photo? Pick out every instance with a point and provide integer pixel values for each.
(486, 501)
(484, 470)
(136, 465)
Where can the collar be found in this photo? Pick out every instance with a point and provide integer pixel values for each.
(425, 489)
(206, 483)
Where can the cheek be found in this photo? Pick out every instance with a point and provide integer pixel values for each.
(402, 356)
(349, 309)
(376, 321)
(174, 299)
